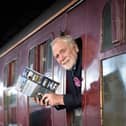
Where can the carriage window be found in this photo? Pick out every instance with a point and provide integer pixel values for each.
(106, 26)
(46, 58)
(9, 74)
(118, 23)
(10, 94)
(32, 58)
(114, 91)
(10, 103)
(113, 24)
(40, 58)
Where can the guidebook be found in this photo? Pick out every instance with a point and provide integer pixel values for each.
(32, 83)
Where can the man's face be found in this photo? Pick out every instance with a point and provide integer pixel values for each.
(65, 54)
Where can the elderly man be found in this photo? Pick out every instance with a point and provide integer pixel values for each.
(68, 55)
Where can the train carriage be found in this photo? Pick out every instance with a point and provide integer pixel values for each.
(99, 29)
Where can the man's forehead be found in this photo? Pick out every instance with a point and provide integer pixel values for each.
(58, 47)
(60, 44)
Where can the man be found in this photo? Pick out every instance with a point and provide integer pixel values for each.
(68, 55)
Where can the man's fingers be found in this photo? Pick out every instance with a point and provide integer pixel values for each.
(45, 101)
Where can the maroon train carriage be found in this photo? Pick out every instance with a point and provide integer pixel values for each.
(99, 28)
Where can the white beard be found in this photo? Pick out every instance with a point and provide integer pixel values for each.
(69, 64)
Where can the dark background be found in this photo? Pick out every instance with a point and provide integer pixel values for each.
(16, 15)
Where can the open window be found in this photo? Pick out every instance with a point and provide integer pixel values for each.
(74, 118)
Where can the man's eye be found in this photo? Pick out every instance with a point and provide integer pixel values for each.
(63, 51)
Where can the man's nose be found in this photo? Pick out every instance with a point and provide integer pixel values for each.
(61, 58)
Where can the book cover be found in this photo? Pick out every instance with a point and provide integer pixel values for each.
(31, 83)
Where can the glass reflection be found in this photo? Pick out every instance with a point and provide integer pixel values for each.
(114, 91)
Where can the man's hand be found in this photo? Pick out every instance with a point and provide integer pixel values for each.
(50, 99)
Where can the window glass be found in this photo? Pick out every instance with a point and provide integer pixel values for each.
(46, 58)
(9, 74)
(114, 91)
(106, 26)
(31, 58)
(40, 58)
(113, 24)
(10, 102)
(118, 14)
(10, 94)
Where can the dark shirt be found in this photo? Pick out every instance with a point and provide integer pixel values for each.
(72, 98)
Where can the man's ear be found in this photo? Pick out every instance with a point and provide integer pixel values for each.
(76, 48)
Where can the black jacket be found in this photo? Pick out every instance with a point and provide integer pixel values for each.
(72, 98)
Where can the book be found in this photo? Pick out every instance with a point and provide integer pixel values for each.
(32, 83)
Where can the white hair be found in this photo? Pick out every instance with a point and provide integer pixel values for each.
(67, 38)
